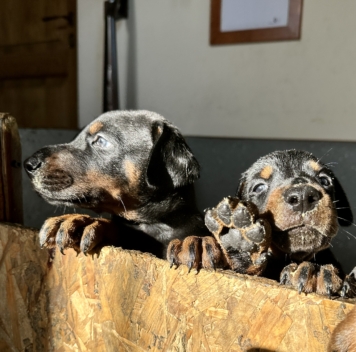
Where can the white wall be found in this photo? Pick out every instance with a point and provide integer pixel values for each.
(299, 89)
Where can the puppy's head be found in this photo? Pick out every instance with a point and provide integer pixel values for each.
(301, 198)
(118, 163)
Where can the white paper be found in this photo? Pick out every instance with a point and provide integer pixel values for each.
(237, 15)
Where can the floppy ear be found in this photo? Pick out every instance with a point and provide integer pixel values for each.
(343, 206)
(172, 163)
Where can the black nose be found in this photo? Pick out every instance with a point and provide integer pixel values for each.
(302, 198)
(32, 164)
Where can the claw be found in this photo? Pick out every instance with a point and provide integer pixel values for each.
(283, 279)
(173, 262)
(300, 287)
(344, 290)
(190, 266)
(212, 264)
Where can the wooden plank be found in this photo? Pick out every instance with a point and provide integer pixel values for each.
(38, 62)
(129, 301)
(23, 303)
(10, 176)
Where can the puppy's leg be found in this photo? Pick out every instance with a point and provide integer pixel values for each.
(243, 237)
(78, 231)
(195, 252)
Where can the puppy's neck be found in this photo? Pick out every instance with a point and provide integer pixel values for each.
(162, 206)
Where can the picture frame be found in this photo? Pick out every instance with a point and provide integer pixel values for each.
(292, 31)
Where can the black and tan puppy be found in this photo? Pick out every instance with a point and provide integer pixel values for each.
(282, 221)
(134, 165)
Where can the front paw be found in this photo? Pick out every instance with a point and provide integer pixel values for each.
(195, 252)
(78, 231)
(308, 277)
(244, 237)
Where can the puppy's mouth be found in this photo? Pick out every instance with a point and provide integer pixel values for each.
(55, 188)
(300, 241)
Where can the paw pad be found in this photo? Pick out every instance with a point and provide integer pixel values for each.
(242, 236)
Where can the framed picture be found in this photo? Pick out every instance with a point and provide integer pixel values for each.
(249, 21)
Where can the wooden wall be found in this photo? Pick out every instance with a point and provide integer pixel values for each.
(129, 301)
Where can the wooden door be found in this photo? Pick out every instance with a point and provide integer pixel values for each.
(38, 68)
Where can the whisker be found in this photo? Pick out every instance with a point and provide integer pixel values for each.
(326, 206)
(120, 199)
(79, 200)
(331, 164)
(352, 235)
(319, 159)
(350, 222)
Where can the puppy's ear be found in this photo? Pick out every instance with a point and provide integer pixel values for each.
(342, 205)
(172, 163)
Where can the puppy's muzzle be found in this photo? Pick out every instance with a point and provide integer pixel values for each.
(302, 198)
(53, 179)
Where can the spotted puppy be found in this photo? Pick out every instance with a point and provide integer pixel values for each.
(281, 223)
(134, 165)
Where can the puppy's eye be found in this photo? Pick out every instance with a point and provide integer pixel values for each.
(261, 187)
(324, 181)
(101, 142)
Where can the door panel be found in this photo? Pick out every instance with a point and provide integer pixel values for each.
(38, 68)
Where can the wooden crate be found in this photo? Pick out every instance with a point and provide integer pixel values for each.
(129, 301)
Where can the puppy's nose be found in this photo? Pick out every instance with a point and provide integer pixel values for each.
(32, 164)
(302, 198)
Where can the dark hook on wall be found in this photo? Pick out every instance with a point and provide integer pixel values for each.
(114, 10)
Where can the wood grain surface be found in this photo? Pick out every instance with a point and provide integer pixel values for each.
(11, 208)
(129, 301)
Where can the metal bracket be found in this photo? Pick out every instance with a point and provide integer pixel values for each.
(118, 9)
(114, 10)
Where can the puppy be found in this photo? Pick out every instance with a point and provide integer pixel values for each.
(281, 223)
(134, 165)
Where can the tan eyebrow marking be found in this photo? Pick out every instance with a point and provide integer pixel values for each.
(315, 165)
(95, 127)
(266, 172)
